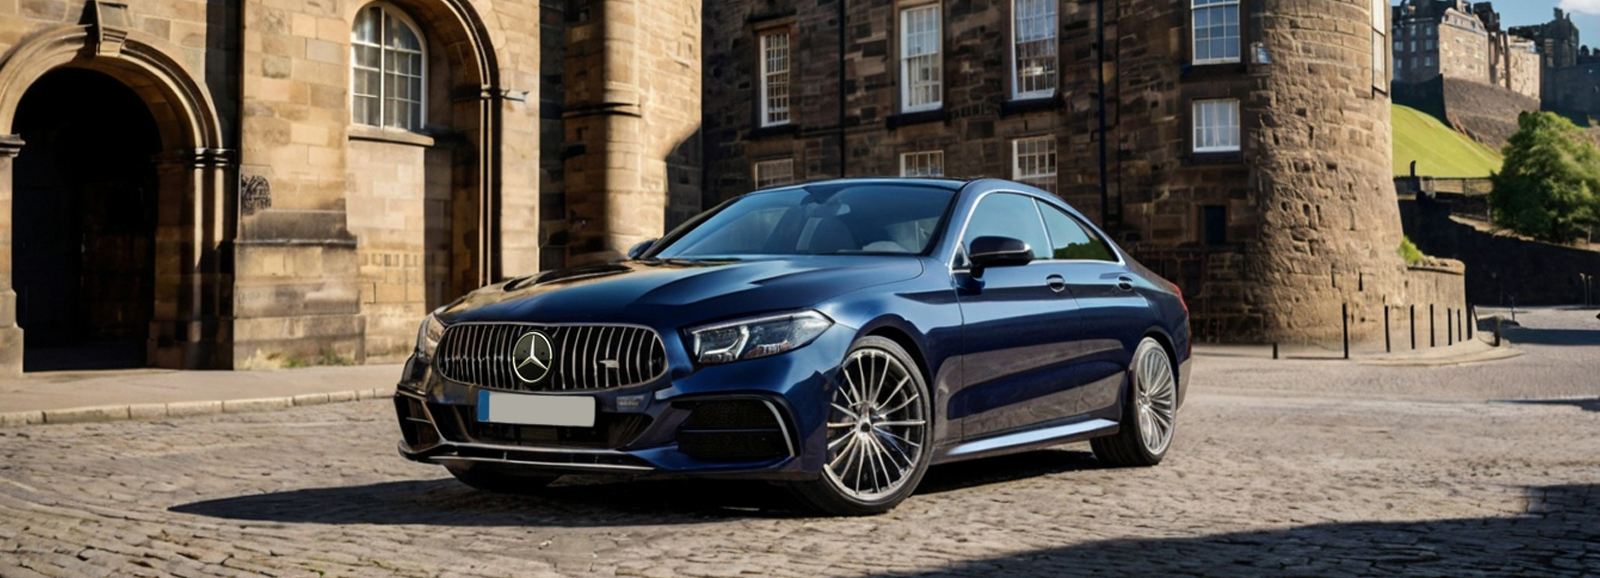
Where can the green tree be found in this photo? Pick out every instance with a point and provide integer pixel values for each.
(1549, 187)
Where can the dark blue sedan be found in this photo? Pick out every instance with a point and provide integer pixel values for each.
(839, 336)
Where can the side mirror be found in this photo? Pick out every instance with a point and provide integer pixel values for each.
(988, 252)
(638, 250)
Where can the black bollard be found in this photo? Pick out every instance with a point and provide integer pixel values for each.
(1433, 340)
(1386, 337)
(1344, 312)
(1449, 328)
(1413, 327)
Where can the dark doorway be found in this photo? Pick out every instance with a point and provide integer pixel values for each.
(84, 222)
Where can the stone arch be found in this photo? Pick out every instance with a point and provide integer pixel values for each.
(191, 327)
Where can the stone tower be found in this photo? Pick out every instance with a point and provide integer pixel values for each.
(1330, 227)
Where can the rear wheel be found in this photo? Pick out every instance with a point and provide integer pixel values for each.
(878, 426)
(1149, 414)
(499, 479)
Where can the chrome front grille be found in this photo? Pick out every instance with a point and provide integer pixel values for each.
(584, 357)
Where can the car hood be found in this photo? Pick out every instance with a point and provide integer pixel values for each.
(651, 292)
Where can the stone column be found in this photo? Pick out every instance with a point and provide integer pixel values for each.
(10, 333)
(192, 326)
(603, 121)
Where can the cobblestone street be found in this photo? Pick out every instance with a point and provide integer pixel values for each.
(1315, 468)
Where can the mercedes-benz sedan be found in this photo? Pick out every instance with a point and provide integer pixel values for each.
(838, 337)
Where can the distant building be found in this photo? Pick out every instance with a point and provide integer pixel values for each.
(1570, 82)
(1439, 37)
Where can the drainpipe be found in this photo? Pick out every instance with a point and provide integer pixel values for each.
(842, 31)
(1100, 75)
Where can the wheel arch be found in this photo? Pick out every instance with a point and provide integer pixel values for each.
(897, 330)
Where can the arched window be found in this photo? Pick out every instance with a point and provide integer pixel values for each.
(386, 69)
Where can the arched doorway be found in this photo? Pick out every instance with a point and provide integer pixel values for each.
(84, 210)
(90, 95)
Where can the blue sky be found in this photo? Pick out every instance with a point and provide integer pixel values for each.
(1585, 13)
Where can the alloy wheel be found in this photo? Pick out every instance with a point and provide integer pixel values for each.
(1156, 402)
(876, 426)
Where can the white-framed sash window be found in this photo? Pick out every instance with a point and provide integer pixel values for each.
(921, 65)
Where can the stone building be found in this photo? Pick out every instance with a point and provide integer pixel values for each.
(1562, 87)
(1464, 41)
(1239, 148)
(1513, 60)
(1439, 37)
(247, 183)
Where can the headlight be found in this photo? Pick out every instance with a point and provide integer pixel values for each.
(758, 337)
(428, 335)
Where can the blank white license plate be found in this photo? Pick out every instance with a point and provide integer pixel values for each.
(524, 409)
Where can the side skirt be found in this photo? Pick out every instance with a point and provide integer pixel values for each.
(1030, 439)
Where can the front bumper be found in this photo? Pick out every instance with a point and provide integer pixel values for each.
(647, 429)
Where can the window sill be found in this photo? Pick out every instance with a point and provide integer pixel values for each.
(1197, 71)
(1032, 104)
(389, 135)
(910, 118)
(1214, 158)
(776, 130)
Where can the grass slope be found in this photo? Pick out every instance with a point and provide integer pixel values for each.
(1439, 151)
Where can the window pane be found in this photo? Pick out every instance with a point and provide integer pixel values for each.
(1216, 30)
(775, 78)
(1034, 55)
(1008, 215)
(1216, 125)
(774, 173)
(1034, 162)
(1069, 239)
(922, 164)
(920, 61)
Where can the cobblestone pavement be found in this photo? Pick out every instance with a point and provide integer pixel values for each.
(1282, 468)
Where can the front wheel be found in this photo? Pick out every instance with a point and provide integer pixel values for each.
(878, 432)
(1148, 416)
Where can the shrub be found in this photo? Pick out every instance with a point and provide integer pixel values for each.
(1549, 187)
(1410, 252)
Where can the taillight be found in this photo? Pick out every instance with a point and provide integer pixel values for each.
(1179, 292)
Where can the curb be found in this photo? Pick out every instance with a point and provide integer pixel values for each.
(148, 411)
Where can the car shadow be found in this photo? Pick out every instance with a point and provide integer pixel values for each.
(982, 472)
(571, 502)
(588, 501)
(1592, 404)
(1556, 537)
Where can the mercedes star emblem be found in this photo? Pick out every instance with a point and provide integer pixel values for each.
(530, 358)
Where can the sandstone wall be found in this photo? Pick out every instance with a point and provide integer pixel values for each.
(1463, 50)
(360, 230)
(631, 118)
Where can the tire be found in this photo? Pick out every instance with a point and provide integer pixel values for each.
(874, 459)
(1149, 414)
(499, 479)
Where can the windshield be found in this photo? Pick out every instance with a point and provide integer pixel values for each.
(824, 219)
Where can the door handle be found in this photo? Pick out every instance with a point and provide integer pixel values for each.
(1125, 283)
(1057, 283)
